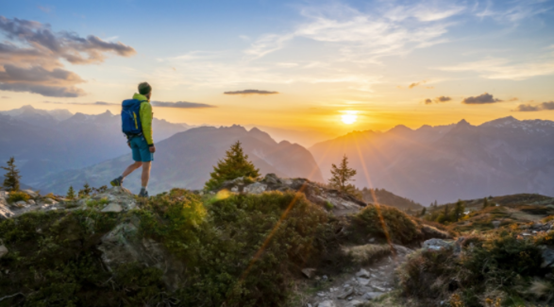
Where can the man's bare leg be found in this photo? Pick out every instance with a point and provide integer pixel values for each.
(131, 168)
(145, 173)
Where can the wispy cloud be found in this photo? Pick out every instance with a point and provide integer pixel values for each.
(251, 92)
(499, 68)
(366, 36)
(484, 98)
(533, 108)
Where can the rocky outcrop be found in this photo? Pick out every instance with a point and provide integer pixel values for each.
(124, 245)
(332, 200)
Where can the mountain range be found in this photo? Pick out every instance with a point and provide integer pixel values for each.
(446, 163)
(186, 159)
(44, 142)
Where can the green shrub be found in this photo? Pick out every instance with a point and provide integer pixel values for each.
(385, 223)
(501, 267)
(18, 196)
(329, 206)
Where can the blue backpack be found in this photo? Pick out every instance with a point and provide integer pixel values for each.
(130, 117)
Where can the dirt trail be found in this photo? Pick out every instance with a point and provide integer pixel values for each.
(354, 289)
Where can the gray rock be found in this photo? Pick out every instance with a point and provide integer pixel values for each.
(371, 295)
(363, 281)
(112, 208)
(255, 188)
(21, 204)
(5, 211)
(355, 303)
(123, 245)
(31, 202)
(31, 193)
(3, 250)
(346, 292)
(496, 224)
(309, 272)
(49, 201)
(363, 273)
(327, 304)
(437, 244)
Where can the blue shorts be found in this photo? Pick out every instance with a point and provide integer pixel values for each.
(141, 151)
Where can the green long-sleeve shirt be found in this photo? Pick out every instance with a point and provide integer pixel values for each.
(146, 116)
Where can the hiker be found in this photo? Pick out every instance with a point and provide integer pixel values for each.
(136, 118)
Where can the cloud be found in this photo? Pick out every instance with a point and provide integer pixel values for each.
(251, 92)
(45, 9)
(481, 99)
(44, 90)
(438, 99)
(5, 97)
(182, 105)
(394, 30)
(30, 58)
(417, 84)
(504, 69)
(161, 104)
(532, 108)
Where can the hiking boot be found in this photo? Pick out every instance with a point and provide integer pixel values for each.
(143, 193)
(117, 181)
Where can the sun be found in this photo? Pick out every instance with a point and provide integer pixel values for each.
(349, 118)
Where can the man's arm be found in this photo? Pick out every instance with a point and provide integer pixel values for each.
(146, 121)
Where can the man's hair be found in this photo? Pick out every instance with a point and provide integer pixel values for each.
(144, 88)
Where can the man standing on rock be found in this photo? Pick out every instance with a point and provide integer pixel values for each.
(136, 116)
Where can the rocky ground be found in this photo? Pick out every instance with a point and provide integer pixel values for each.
(355, 289)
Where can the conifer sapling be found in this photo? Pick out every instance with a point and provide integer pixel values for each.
(11, 177)
(234, 165)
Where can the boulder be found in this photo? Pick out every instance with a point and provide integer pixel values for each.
(437, 244)
(5, 211)
(346, 292)
(31, 193)
(255, 188)
(21, 204)
(355, 303)
(496, 224)
(124, 245)
(363, 273)
(327, 304)
(113, 207)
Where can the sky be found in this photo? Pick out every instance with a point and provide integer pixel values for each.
(329, 66)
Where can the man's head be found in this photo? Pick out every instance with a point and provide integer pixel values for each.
(145, 89)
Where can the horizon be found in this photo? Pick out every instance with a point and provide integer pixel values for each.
(331, 67)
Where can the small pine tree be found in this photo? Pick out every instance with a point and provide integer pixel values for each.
(70, 193)
(485, 203)
(235, 165)
(458, 210)
(423, 211)
(86, 191)
(11, 177)
(342, 175)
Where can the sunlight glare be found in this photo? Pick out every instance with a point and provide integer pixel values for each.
(349, 118)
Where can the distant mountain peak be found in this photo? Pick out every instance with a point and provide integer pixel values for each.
(463, 123)
(400, 129)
